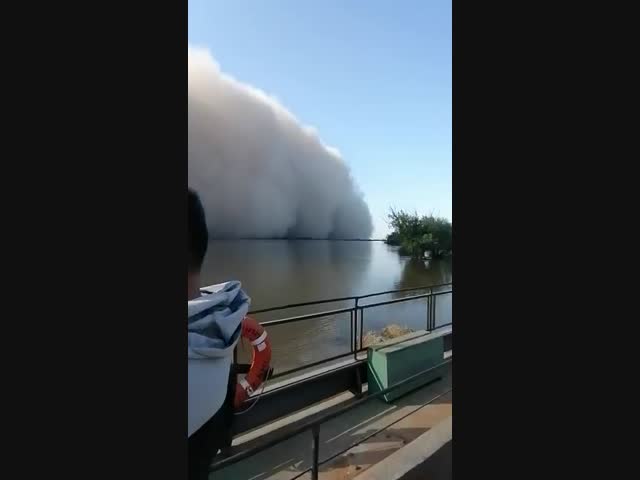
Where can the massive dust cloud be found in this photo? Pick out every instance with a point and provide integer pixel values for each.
(260, 173)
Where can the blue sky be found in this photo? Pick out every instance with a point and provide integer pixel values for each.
(373, 77)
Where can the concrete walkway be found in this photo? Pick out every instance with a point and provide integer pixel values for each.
(427, 457)
(354, 441)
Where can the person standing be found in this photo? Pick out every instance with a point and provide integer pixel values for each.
(214, 326)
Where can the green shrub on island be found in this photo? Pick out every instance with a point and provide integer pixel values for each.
(418, 235)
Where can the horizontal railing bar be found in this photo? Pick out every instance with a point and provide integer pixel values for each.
(304, 304)
(326, 313)
(403, 299)
(406, 290)
(308, 425)
(397, 300)
(310, 316)
(343, 299)
(437, 294)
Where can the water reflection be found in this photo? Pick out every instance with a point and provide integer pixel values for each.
(427, 272)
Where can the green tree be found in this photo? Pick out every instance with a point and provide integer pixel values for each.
(393, 239)
(418, 235)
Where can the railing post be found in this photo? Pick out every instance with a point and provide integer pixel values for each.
(355, 330)
(429, 302)
(315, 431)
(351, 331)
(361, 327)
(433, 317)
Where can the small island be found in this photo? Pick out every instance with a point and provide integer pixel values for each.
(420, 236)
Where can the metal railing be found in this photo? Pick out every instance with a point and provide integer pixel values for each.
(356, 312)
(356, 318)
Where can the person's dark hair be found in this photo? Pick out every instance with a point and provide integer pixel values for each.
(198, 234)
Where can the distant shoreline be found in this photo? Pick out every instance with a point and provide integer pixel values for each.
(299, 239)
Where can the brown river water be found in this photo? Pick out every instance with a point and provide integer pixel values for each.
(281, 272)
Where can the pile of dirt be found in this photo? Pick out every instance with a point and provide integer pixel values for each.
(387, 333)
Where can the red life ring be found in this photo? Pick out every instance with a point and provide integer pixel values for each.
(257, 336)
